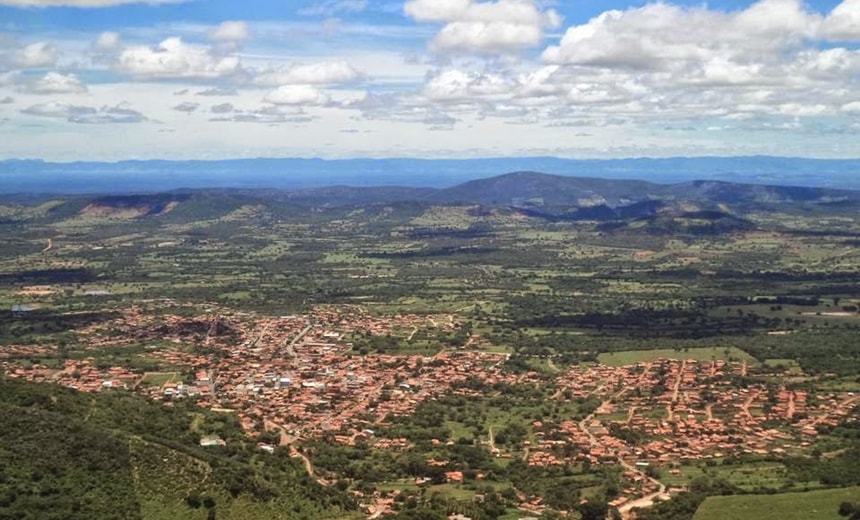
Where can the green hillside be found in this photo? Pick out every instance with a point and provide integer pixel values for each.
(68, 455)
(788, 506)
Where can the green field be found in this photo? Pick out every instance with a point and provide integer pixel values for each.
(159, 378)
(748, 476)
(617, 359)
(790, 365)
(818, 505)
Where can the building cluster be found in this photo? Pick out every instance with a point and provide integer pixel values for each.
(669, 411)
(303, 377)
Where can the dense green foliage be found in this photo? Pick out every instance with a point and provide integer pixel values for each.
(76, 456)
(57, 469)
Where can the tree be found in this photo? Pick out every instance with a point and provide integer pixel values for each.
(594, 509)
(850, 510)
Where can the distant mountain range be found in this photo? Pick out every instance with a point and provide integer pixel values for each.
(34, 176)
(705, 206)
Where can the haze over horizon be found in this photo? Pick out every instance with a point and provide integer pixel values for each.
(109, 80)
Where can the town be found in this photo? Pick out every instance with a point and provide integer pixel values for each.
(303, 377)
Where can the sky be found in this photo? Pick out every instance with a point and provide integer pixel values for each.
(111, 80)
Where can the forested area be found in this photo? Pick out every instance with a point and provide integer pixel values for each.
(69, 456)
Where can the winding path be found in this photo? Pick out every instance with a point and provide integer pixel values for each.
(645, 501)
(493, 440)
(287, 440)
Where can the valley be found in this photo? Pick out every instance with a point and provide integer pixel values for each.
(521, 346)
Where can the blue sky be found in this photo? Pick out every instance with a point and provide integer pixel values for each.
(121, 79)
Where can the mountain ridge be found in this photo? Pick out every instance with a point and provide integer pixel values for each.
(548, 196)
(33, 175)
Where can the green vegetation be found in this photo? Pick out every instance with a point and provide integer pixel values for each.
(822, 504)
(630, 357)
(75, 456)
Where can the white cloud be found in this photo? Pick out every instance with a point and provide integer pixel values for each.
(107, 41)
(323, 73)
(334, 7)
(502, 26)
(687, 62)
(408, 108)
(831, 65)
(9, 78)
(8, 100)
(439, 120)
(35, 56)
(843, 23)
(304, 95)
(52, 109)
(82, 3)
(116, 114)
(173, 58)
(539, 83)
(186, 107)
(56, 83)
(658, 76)
(223, 108)
(466, 86)
(495, 36)
(801, 109)
(120, 113)
(663, 36)
(218, 91)
(271, 115)
(230, 31)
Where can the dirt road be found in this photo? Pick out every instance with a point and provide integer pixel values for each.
(789, 412)
(746, 406)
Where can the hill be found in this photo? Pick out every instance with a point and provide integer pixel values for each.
(555, 191)
(822, 504)
(21, 176)
(68, 455)
(698, 207)
(547, 190)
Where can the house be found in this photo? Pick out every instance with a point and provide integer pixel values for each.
(212, 440)
(454, 476)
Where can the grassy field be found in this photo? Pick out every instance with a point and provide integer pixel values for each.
(820, 505)
(790, 365)
(617, 359)
(159, 378)
(748, 476)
